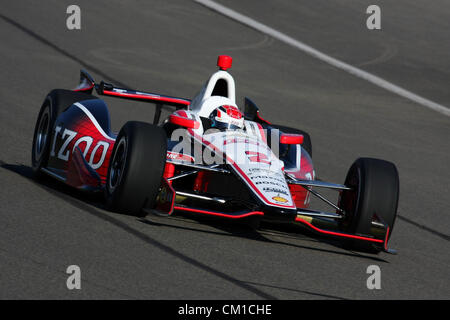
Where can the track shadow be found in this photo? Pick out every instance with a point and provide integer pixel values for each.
(297, 290)
(86, 203)
(50, 184)
(240, 230)
(90, 202)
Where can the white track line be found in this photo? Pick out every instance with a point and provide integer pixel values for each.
(324, 57)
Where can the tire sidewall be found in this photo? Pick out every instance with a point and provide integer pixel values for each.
(146, 149)
(37, 164)
(377, 193)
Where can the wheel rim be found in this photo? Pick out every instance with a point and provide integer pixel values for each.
(117, 165)
(42, 134)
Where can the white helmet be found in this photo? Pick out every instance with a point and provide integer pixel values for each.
(227, 117)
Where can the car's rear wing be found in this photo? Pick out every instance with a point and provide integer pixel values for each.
(87, 84)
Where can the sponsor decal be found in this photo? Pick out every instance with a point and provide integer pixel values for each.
(271, 183)
(97, 153)
(279, 199)
(179, 156)
(266, 178)
(275, 190)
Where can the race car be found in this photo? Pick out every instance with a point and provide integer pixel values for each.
(208, 158)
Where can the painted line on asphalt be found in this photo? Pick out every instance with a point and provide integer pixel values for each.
(380, 82)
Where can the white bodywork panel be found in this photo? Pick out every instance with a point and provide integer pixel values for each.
(255, 163)
(246, 151)
(204, 103)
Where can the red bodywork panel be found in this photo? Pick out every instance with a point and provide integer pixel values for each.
(80, 148)
(78, 173)
(85, 127)
(299, 194)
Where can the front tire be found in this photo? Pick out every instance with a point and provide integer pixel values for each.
(375, 193)
(136, 168)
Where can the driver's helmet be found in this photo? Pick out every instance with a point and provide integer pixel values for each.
(227, 117)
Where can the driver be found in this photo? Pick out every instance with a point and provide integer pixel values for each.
(227, 117)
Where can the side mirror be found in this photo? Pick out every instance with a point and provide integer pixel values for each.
(289, 138)
(184, 122)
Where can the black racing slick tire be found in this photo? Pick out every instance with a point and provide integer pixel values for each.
(374, 196)
(136, 168)
(307, 144)
(55, 102)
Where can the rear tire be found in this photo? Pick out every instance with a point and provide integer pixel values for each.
(307, 144)
(55, 102)
(375, 193)
(136, 168)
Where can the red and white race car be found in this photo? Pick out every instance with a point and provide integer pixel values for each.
(208, 157)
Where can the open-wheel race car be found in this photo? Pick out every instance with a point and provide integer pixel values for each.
(207, 157)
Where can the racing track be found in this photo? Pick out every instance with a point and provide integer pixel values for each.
(171, 47)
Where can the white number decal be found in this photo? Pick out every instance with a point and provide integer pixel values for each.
(61, 154)
(105, 146)
(68, 136)
(88, 141)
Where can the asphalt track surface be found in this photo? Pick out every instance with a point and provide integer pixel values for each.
(171, 48)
